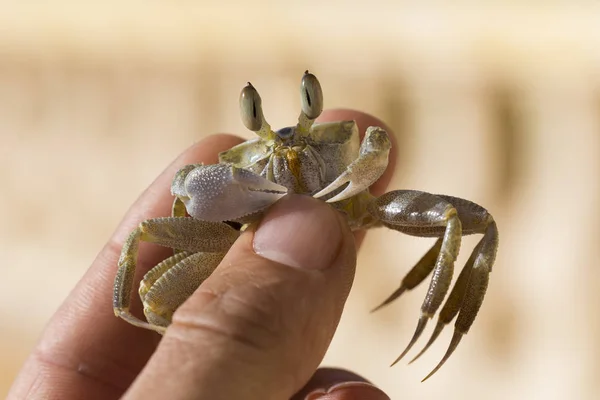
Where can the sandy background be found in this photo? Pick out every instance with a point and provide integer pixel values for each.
(499, 104)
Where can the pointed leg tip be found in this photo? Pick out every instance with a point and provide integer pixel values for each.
(379, 307)
(420, 353)
(453, 345)
(416, 357)
(428, 376)
(401, 356)
(434, 370)
(390, 299)
(436, 333)
(420, 328)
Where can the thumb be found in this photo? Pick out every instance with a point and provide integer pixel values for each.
(261, 324)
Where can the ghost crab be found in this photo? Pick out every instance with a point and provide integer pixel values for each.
(326, 161)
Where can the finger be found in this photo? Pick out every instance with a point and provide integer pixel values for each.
(259, 326)
(85, 351)
(339, 384)
(364, 121)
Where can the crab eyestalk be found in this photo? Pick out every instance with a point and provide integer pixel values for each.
(311, 101)
(252, 113)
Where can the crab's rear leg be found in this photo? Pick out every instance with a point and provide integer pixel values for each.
(416, 275)
(452, 305)
(469, 293)
(423, 214)
(187, 234)
(163, 290)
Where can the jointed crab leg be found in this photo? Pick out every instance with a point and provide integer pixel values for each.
(187, 234)
(155, 273)
(175, 285)
(452, 305)
(423, 214)
(416, 275)
(178, 208)
(366, 169)
(476, 288)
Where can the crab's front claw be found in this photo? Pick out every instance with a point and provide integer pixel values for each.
(223, 192)
(365, 170)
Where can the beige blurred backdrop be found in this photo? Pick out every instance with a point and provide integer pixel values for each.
(498, 103)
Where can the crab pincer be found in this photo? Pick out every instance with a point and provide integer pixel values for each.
(224, 192)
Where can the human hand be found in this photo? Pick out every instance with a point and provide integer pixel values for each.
(256, 329)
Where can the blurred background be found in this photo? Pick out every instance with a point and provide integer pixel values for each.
(497, 103)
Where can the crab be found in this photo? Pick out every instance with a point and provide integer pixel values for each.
(214, 203)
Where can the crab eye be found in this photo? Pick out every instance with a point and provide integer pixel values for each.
(312, 95)
(251, 108)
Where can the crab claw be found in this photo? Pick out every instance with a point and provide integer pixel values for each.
(223, 192)
(365, 170)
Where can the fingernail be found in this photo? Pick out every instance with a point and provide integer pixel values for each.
(301, 232)
(349, 390)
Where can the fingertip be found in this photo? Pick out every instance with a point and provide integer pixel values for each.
(349, 391)
(207, 149)
(339, 384)
(324, 378)
(363, 120)
(297, 223)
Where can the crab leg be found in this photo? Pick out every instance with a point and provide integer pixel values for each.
(175, 285)
(416, 275)
(155, 273)
(187, 234)
(485, 255)
(452, 305)
(365, 170)
(423, 214)
(178, 210)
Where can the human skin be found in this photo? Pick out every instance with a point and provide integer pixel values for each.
(257, 328)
